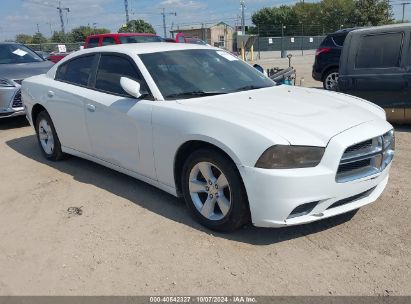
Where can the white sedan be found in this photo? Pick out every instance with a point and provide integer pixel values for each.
(198, 123)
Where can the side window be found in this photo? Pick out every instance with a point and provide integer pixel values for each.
(108, 41)
(380, 51)
(93, 42)
(111, 68)
(76, 71)
(339, 39)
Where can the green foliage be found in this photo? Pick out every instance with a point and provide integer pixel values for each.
(58, 37)
(23, 38)
(372, 12)
(79, 34)
(38, 38)
(137, 26)
(322, 16)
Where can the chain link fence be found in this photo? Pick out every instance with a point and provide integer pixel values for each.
(53, 47)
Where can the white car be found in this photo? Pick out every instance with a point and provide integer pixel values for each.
(197, 122)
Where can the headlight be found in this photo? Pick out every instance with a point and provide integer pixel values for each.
(5, 83)
(287, 157)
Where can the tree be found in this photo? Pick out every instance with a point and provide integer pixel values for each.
(137, 26)
(23, 38)
(79, 34)
(372, 12)
(335, 14)
(58, 37)
(38, 38)
(269, 20)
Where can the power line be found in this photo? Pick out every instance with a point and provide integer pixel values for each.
(163, 13)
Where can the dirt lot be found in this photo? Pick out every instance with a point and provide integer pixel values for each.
(133, 239)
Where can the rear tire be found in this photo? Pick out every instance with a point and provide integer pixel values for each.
(214, 191)
(47, 137)
(330, 82)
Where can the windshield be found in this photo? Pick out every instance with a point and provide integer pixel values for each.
(139, 39)
(17, 53)
(194, 73)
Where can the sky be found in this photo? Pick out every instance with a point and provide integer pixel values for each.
(22, 16)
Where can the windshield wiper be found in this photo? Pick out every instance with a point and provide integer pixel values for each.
(248, 88)
(194, 94)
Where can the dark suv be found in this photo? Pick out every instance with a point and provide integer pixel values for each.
(376, 66)
(327, 59)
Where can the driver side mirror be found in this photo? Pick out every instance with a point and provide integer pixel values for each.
(132, 87)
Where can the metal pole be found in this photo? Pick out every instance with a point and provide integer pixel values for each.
(302, 38)
(164, 23)
(258, 44)
(61, 17)
(403, 11)
(242, 16)
(282, 40)
(126, 9)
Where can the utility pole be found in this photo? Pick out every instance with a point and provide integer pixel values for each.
(61, 9)
(242, 3)
(51, 31)
(38, 28)
(403, 9)
(163, 13)
(126, 9)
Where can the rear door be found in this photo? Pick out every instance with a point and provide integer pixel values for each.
(378, 71)
(119, 125)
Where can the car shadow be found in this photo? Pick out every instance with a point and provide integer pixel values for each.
(161, 202)
(13, 122)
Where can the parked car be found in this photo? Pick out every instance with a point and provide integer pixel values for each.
(16, 63)
(120, 38)
(57, 56)
(327, 59)
(173, 116)
(179, 38)
(376, 65)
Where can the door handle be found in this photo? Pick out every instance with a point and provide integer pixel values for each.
(50, 94)
(91, 108)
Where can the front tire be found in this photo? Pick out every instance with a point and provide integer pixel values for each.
(330, 82)
(214, 192)
(47, 137)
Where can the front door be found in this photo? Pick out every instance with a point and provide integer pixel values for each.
(119, 125)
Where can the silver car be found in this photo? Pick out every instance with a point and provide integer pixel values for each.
(16, 63)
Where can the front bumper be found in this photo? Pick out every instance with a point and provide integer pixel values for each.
(274, 194)
(8, 106)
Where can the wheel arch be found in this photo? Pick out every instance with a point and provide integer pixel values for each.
(189, 147)
(37, 108)
(327, 69)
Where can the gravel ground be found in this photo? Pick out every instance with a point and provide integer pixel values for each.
(132, 239)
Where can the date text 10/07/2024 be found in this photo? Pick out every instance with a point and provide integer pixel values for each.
(205, 299)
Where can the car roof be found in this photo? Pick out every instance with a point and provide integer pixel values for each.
(400, 26)
(144, 48)
(345, 31)
(121, 35)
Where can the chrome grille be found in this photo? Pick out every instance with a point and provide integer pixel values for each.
(366, 158)
(17, 103)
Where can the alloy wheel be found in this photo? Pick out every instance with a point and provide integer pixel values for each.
(210, 191)
(46, 136)
(331, 81)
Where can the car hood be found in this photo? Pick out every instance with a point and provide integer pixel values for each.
(24, 70)
(300, 116)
